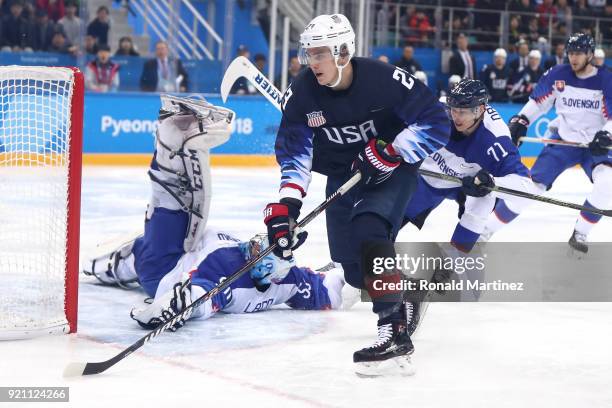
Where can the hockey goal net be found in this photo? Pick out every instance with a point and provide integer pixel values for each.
(41, 121)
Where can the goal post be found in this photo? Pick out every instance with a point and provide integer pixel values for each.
(41, 126)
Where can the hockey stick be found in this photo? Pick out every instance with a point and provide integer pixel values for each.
(79, 369)
(242, 67)
(499, 189)
(556, 142)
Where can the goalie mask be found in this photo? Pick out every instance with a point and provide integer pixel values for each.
(270, 269)
(332, 31)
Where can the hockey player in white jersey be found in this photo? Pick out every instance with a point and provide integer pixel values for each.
(582, 97)
(481, 153)
(179, 257)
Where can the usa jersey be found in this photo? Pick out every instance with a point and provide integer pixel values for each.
(218, 255)
(583, 105)
(489, 147)
(323, 130)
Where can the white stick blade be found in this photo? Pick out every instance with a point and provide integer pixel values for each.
(236, 69)
(74, 369)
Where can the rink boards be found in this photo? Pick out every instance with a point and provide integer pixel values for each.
(119, 129)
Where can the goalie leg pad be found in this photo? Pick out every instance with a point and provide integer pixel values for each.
(180, 172)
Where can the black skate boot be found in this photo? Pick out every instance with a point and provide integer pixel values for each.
(390, 354)
(578, 242)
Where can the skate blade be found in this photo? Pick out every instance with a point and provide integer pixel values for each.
(398, 366)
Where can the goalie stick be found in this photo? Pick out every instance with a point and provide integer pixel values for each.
(77, 369)
(556, 142)
(549, 200)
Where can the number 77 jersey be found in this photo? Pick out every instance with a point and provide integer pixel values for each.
(324, 130)
(489, 148)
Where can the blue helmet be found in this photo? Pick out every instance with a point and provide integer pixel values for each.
(580, 42)
(468, 93)
(269, 269)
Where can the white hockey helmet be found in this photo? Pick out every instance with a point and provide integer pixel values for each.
(332, 31)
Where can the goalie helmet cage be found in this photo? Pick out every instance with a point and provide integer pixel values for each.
(41, 128)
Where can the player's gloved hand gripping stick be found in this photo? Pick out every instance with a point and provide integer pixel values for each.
(78, 369)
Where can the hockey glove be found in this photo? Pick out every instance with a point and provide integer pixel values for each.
(518, 128)
(479, 185)
(600, 143)
(165, 308)
(376, 162)
(280, 218)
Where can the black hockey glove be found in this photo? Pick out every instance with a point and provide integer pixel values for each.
(518, 128)
(280, 218)
(478, 185)
(600, 143)
(376, 162)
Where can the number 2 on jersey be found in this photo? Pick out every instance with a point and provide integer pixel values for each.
(405, 78)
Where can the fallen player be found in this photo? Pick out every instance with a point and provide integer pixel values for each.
(179, 258)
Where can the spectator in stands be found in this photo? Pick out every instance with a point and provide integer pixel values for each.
(163, 73)
(60, 45)
(496, 76)
(260, 62)
(54, 8)
(521, 86)
(43, 31)
(383, 58)
(126, 48)
(242, 86)
(71, 23)
(90, 45)
(599, 58)
(597, 7)
(101, 74)
(515, 34)
(564, 13)
(520, 63)
(420, 27)
(407, 62)
(522, 6)
(99, 26)
(421, 76)
(17, 30)
(558, 58)
(462, 63)
(547, 11)
(581, 15)
(294, 70)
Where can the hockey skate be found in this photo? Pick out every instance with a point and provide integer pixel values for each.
(113, 265)
(389, 355)
(578, 245)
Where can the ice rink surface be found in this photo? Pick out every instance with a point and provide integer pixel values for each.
(467, 355)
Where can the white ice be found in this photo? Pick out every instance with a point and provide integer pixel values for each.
(467, 355)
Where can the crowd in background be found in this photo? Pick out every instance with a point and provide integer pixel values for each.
(55, 26)
(532, 21)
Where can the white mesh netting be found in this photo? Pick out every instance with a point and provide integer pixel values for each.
(35, 106)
